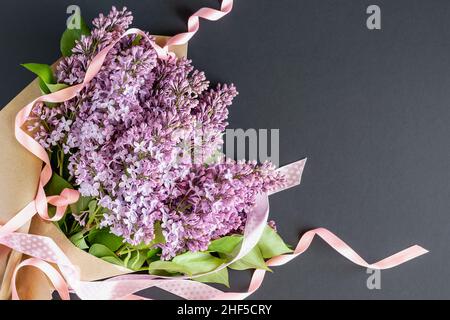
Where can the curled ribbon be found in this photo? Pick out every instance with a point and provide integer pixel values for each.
(194, 22)
(125, 287)
(55, 277)
(44, 251)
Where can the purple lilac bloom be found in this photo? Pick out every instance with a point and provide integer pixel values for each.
(137, 138)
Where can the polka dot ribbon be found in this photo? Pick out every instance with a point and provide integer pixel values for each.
(45, 252)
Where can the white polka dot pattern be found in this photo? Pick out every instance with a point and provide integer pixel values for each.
(292, 174)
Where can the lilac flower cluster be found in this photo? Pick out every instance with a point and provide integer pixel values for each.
(139, 137)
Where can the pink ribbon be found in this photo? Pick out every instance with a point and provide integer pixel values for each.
(124, 287)
(45, 251)
(337, 244)
(194, 22)
(55, 277)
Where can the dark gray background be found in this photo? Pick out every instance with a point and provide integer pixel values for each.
(368, 108)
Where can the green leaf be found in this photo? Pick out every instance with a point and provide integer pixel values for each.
(163, 273)
(137, 40)
(43, 87)
(220, 277)
(168, 266)
(152, 255)
(81, 205)
(93, 211)
(189, 263)
(106, 238)
(226, 244)
(127, 258)
(71, 36)
(92, 205)
(152, 252)
(197, 262)
(78, 239)
(46, 78)
(159, 237)
(101, 251)
(56, 87)
(56, 185)
(43, 71)
(137, 260)
(271, 244)
(113, 260)
(253, 260)
(141, 246)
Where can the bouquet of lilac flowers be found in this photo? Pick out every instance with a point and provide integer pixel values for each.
(124, 146)
(142, 144)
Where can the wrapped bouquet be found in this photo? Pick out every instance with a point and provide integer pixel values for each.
(134, 180)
